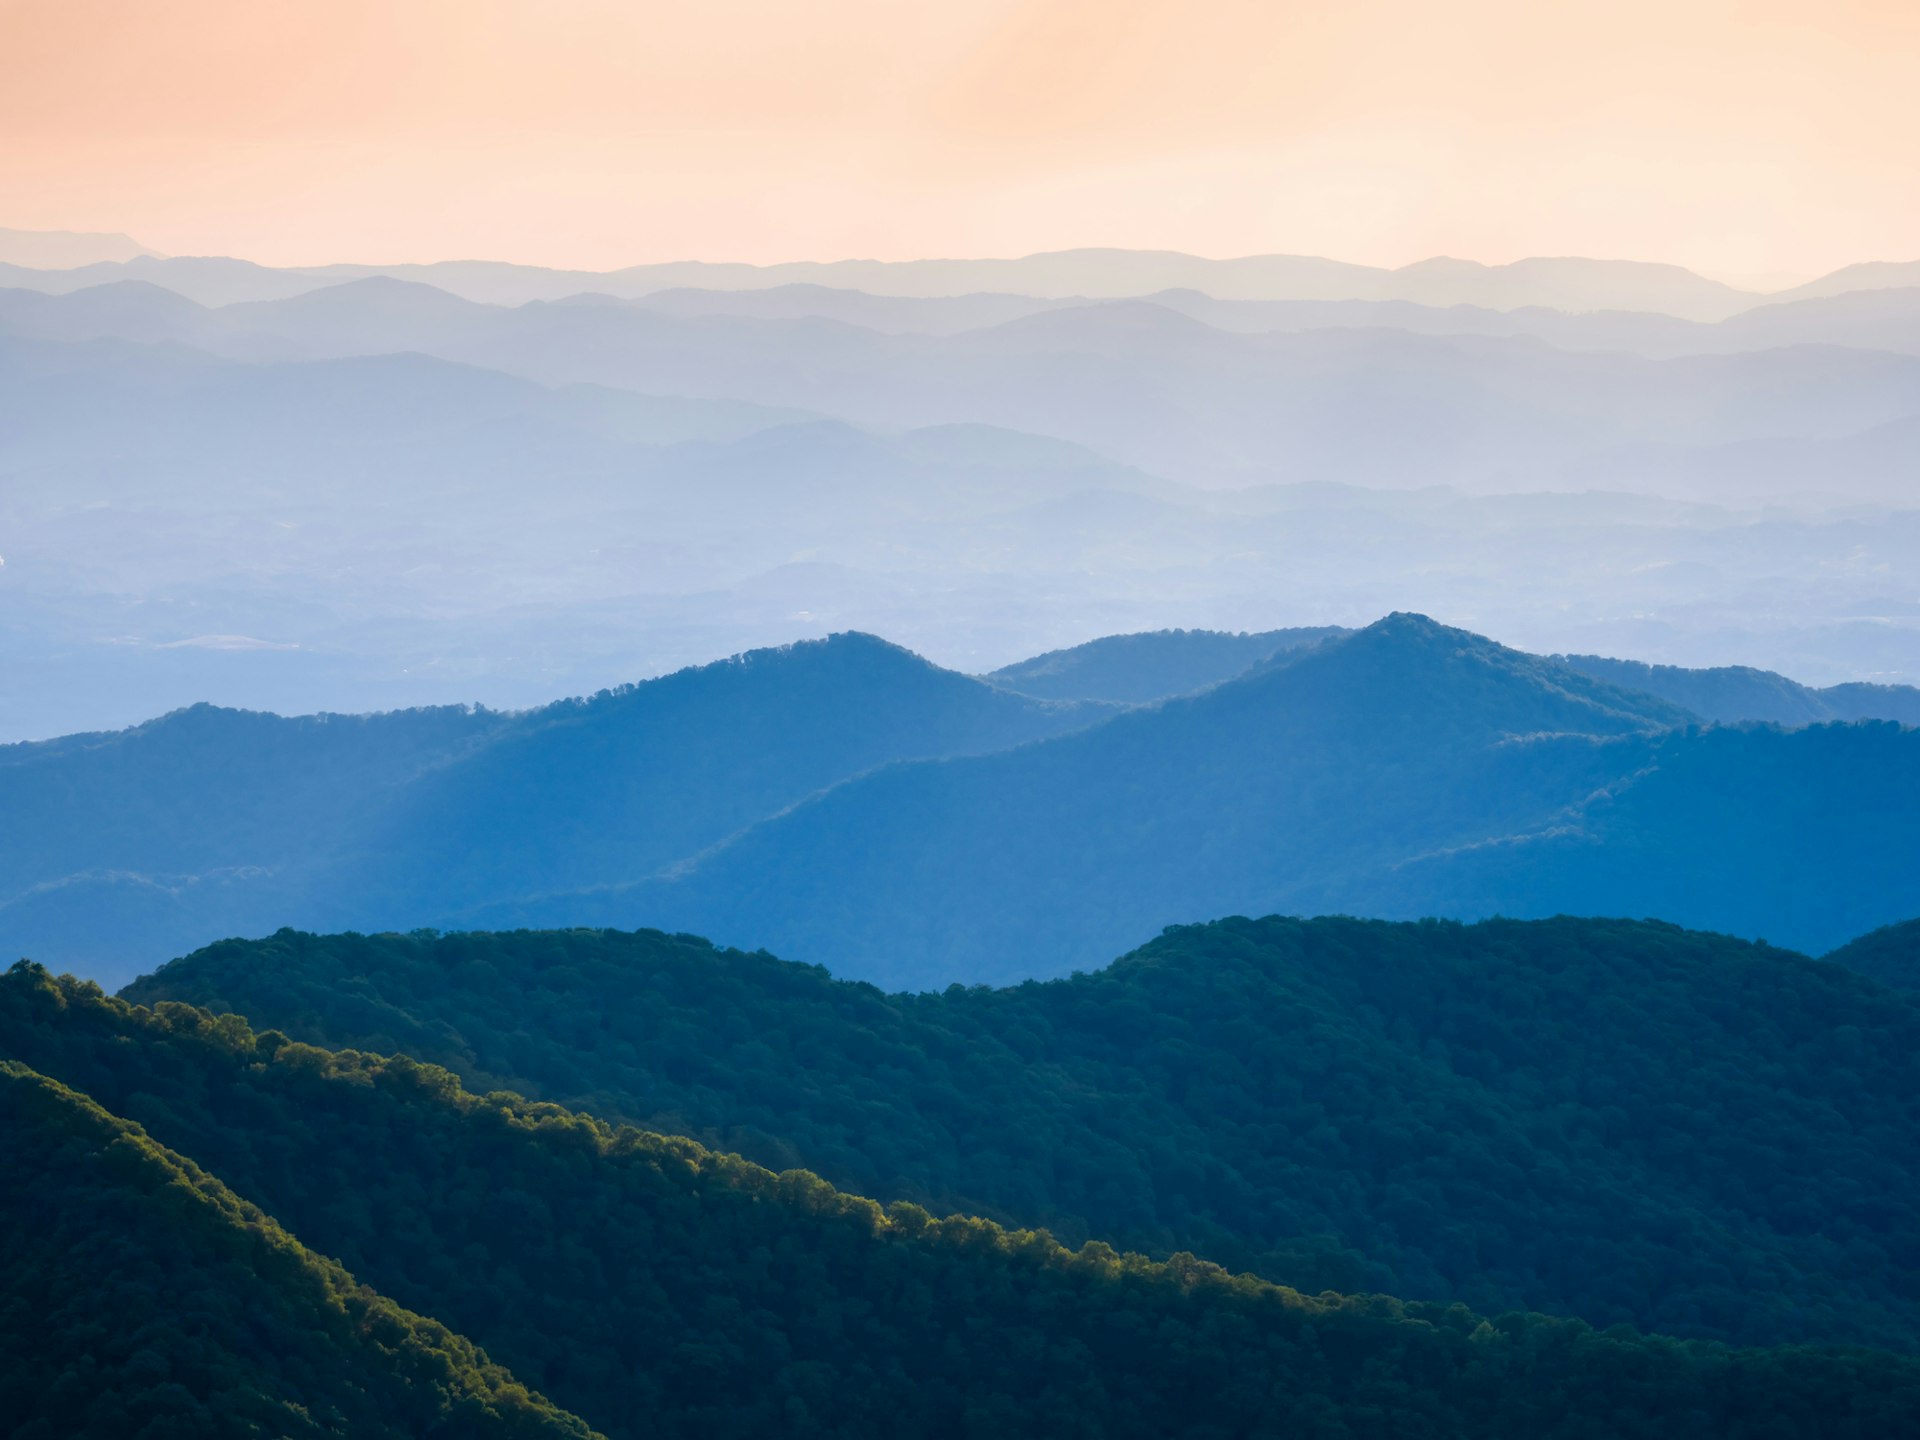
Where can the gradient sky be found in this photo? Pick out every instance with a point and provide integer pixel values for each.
(1746, 139)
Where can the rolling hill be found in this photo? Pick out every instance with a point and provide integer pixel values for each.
(143, 1297)
(1587, 1117)
(132, 846)
(1890, 955)
(1731, 694)
(1409, 769)
(847, 803)
(692, 1294)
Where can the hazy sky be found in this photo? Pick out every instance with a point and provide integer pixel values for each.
(1741, 138)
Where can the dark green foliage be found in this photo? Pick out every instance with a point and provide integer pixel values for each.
(139, 1297)
(1730, 694)
(1154, 665)
(1890, 955)
(659, 1289)
(1620, 1121)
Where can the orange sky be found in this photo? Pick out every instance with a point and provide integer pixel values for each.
(1737, 136)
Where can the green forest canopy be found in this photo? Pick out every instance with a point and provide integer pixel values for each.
(143, 1298)
(1616, 1120)
(657, 1288)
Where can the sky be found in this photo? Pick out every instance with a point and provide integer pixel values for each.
(1753, 139)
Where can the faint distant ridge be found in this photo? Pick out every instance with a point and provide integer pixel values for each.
(1571, 284)
(1134, 669)
(66, 249)
(1867, 275)
(1730, 694)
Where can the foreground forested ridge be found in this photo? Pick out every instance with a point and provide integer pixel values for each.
(655, 1288)
(1619, 1121)
(142, 1297)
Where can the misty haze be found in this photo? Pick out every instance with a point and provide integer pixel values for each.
(1008, 720)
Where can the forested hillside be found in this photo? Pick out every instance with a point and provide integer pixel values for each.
(142, 1297)
(605, 790)
(847, 802)
(1408, 769)
(130, 847)
(1890, 955)
(1730, 694)
(1804, 837)
(1623, 1122)
(658, 1289)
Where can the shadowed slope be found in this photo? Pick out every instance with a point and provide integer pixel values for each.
(1890, 955)
(1729, 694)
(662, 1290)
(141, 1296)
(1289, 789)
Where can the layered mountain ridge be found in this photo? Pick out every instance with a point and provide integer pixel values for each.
(846, 802)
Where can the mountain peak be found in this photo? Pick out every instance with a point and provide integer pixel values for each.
(1410, 668)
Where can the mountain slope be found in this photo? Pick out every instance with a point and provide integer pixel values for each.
(1890, 955)
(1729, 694)
(140, 1296)
(1804, 837)
(1482, 1113)
(203, 821)
(1154, 665)
(1298, 787)
(1407, 770)
(608, 790)
(659, 1289)
(131, 847)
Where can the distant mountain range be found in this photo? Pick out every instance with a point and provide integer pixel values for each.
(1569, 284)
(850, 804)
(418, 315)
(66, 249)
(1135, 669)
(1730, 694)
(1161, 664)
(1140, 382)
(559, 494)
